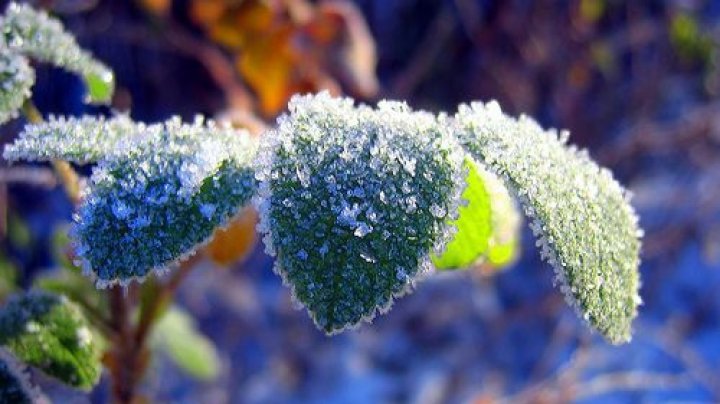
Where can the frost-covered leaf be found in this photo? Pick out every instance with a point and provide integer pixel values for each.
(16, 79)
(49, 332)
(159, 195)
(15, 385)
(352, 200)
(35, 34)
(177, 335)
(585, 226)
(81, 140)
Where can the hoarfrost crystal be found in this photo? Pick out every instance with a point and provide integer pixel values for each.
(360, 165)
(16, 79)
(35, 34)
(159, 195)
(585, 226)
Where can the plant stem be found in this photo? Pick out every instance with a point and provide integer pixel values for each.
(130, 354)
(150, 313)
(122, 366)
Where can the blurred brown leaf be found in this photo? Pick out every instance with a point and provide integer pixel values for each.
(283, 48)
(159, 8)
(235, 242)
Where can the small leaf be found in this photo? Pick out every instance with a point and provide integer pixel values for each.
(77, 288)
(160, 196)
(177, 335)
(49, 332)
(585, 226)
(234, 242)
(15, 385)
(16, 80)
(80, 140)
(100, 87)
(35, 34)
(352, 200)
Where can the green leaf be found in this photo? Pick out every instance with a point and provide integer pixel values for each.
(176, 334)
(504, 244)
(488, 225)
(160, 196)
(585, 226)
(37, 35)
(474, 225)
(353, 199)
(15, 385)
(100, 86)
(77, 288)
(17, 78)
(49, 332)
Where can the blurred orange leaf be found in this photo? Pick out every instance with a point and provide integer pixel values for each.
(236, 241)
(159, 8)
(287, 47)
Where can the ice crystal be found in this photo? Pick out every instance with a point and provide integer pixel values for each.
(16, 79)
(586, 228)
(80, 140)
(158, 195)
(346, 204)
(35, 34)
(42, 330)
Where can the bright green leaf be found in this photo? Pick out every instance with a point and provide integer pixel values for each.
(50, 332)
(474, 225)
(488, 226)
(176, 334)
(100, 86)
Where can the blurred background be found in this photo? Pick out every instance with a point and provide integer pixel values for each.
(636, 83)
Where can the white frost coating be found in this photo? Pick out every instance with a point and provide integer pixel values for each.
(346, 200)
(16, 80)
(81, 140)
(35, 34)
(157, 194)
(585, 226)
(84, 336)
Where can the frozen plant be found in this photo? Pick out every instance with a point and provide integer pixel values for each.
(357, 203)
